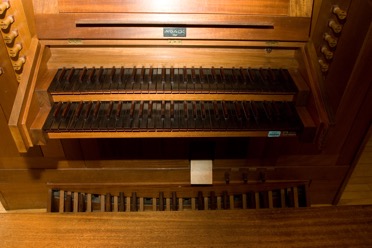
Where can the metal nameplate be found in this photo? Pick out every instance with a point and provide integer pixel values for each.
(174, 32)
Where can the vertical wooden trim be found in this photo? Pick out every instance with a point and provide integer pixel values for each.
(231, 198)
(219, 202)
(102, 202)
(141, 204)
(205, 203)
(89, 203)
(193, 203)
(257, 199)
(61, 207)
(76, 202)
(154, 204)
(128, 204)
(295, 197)
(180, 204)
(270, 196)
(116, 204)
(50, 200)
(244, 200)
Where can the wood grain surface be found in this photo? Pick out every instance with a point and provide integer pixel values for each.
(310, 227)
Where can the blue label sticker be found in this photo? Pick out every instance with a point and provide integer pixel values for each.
(274, 134)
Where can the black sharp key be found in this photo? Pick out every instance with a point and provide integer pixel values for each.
(150, 116)
(144, 81)
(57, 116)
(232, 119)
(144, 117)
(53, 114)
(167, 82)
(137, 115)
(119, 116)
(150, 77)
(108, 80)
(158, 121)
(130, 80)
(70, 81)
(96, 116)
(196, 80)
(255, 113)
(190, 85)
(88, 114)
(238, 81)
(75, 117)
(198, 118)
(174, 78)
(214, 115)
(182, 85)
(81, 123)
(79, 80)
(286, 81)
(111, 122)
(66, 116)
(169, 112)
(61, 80)
(126, 112)
(239, 115)
(56, 80)
(116, 81)
(90, 82)
(126, 85)
(268, 110)
(191, 116)
(137, 82)
(210, 80)
(276, 111)
(206, 118)
(182, 118)
(99, 79)
(121, 81)
(247, 114)
(254, 82)
(102, 116)
(159, 78)
(203, 81)
(226, 75)
(175, 120)
(217, 81)
(225, 114)
(102, 119)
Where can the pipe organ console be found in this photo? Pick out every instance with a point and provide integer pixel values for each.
(115, 98)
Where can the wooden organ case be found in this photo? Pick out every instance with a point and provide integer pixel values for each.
(117, 97)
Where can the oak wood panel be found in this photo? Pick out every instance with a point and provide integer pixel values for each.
(8, 81)
(142, 26)
(320, 227)
(275, 7)
(159, 57)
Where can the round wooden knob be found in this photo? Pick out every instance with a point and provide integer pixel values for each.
(324, 66)
(19, 63)
(327, 53)
(4, 6)
(13, 52)
(341, 14)
(5, 23)
(332, 42)
(335, 26)
(9, 38)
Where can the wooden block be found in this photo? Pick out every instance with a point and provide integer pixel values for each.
(61, 201)
(89, 203)
(201, 171)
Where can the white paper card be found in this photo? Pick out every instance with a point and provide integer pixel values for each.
(201, 171)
